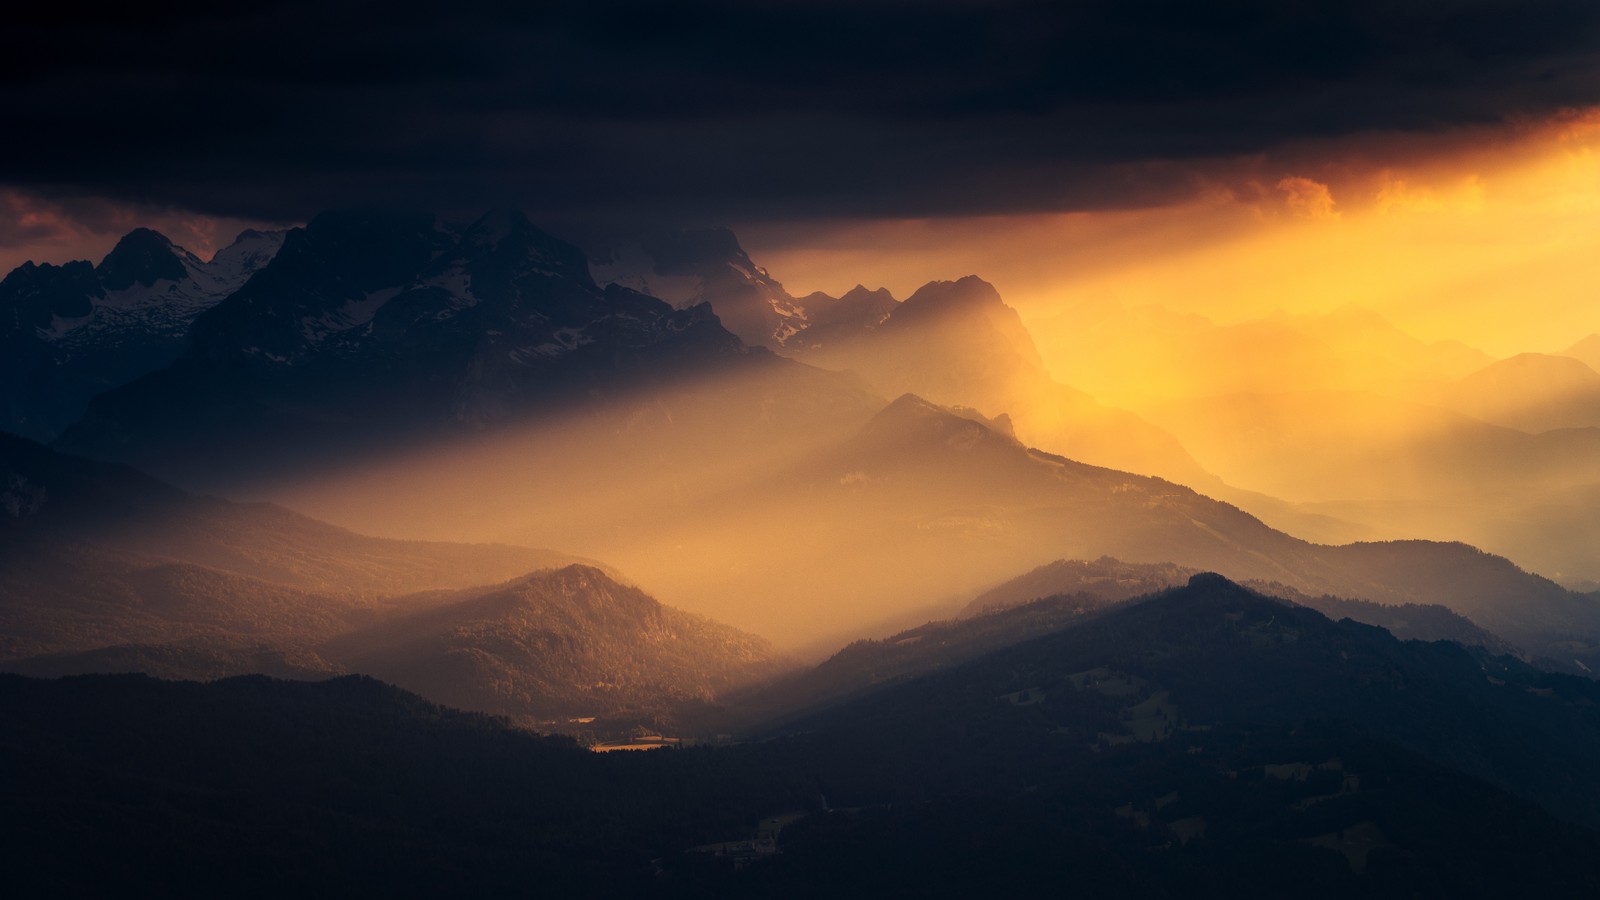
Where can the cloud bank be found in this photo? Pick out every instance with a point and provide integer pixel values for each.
(732, 111)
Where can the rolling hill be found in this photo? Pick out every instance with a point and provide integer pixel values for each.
(1205, 742)
(563, 643)
(108, 570)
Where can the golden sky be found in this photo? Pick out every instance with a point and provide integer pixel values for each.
(1487, 236)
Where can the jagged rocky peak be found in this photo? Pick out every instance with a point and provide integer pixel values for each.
(491, 301)
(142, 257)
(685, 266)
(511, 241)
(31, 295)
(861, 294)
(961, 295)
(859, 306)
(970, 320)
(911, 407)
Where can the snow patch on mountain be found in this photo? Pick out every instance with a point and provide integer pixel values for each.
(353, 314)
(689, 266)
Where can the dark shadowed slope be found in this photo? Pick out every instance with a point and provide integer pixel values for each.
(95, 554)
(54, 497)
(1107, 580)
(1223, 657)
(1048, 599)
(256, 788)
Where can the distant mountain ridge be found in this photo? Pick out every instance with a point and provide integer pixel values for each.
(69, 332)
(957, 343)
(954, 342)
(1586, 351)
(93, 554)
(981, 496)
(1404, 467)
(1532, 392)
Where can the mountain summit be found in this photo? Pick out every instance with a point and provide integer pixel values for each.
(69, 332)
(560, 642)
(142, 257)
(687, 266)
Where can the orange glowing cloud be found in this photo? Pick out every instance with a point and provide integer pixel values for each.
(1308, 199)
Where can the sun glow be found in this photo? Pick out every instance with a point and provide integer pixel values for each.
(1484, 237)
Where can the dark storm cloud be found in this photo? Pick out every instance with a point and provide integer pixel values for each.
(744, 109)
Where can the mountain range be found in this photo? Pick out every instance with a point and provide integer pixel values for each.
(956, 343)
(1044, 656)
(70, 332)
(401, 375)
(1350, 418)
(369, 330)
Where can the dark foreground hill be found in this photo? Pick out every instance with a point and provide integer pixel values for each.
(1205, 658)
(1207, 742)
(1107, 580)
(1046, 600)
